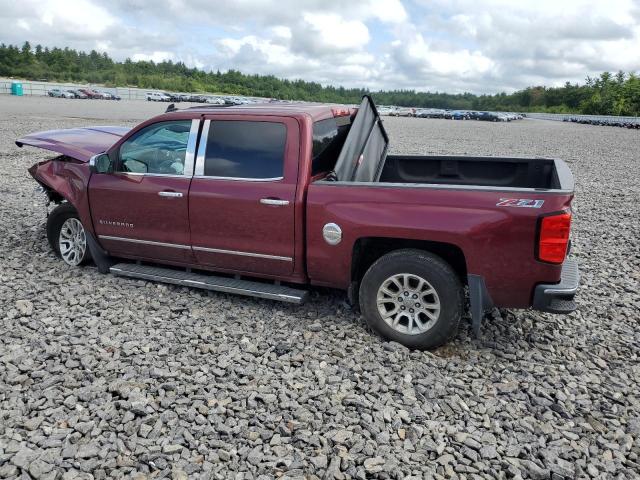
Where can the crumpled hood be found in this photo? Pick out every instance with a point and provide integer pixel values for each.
(78, 143)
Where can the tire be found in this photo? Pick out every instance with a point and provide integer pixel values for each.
(419, 330)
(71, 245)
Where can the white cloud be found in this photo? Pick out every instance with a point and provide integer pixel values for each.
(153, 57)
(445, 45)
(320, 33)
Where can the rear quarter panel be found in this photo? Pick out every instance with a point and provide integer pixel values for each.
(498, 242)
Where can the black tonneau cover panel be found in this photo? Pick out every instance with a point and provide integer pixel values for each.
(365, 148)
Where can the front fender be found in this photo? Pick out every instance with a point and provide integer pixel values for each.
(68, 178)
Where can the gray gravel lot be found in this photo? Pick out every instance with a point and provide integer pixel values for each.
(103, 377)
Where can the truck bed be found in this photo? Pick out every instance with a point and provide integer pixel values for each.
(364, 160)
(511, 172)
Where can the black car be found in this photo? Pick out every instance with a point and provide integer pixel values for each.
(173, 97)
(488, 116)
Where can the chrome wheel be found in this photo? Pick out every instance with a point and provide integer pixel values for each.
(72, 242)
(408, 303)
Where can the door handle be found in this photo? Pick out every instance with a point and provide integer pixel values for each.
(274, 201)
(170, 194)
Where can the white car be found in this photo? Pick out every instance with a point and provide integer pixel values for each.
(57, 92)
(157, 97)
(215, 100)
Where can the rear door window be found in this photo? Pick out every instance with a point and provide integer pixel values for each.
(245, 149)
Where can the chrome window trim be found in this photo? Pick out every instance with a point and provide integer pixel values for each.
(202, 147)
(202, 152)
(240, 179)
(189, 157)
(138, 174)
(144, 242)
(243, 254)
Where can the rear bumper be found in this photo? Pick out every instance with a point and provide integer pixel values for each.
(558, 297)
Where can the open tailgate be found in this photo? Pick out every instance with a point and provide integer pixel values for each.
(365, 148)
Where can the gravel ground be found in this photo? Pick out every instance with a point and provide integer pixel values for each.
(103, 377)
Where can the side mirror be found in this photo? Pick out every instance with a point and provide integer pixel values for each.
(100, 163)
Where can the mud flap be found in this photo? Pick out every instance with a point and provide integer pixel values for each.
(100, 257)
(480, 302)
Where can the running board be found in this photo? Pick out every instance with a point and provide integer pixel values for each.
(211, 282)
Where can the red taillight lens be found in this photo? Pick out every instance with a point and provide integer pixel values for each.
(554, 237)
(341, 111)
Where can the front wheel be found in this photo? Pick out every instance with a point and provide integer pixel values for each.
(67, 236)
(412, 297)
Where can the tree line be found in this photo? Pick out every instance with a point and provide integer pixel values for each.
(608, 94)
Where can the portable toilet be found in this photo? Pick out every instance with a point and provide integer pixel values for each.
(16, 88)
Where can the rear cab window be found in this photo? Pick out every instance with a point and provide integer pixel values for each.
(328, 138)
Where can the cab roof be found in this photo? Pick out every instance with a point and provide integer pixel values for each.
(314, 110)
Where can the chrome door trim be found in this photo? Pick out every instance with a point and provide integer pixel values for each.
(170, 194)
(243, 254)
(144, 242)
(202, 146)
(201, 249)
(274, 201)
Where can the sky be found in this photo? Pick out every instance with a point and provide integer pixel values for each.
(478, 46)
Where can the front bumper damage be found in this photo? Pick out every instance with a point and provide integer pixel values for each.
(559, 297)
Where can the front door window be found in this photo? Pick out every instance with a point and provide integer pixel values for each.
(159, 149)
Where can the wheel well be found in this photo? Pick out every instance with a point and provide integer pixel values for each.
(52, 195)
(367, 250)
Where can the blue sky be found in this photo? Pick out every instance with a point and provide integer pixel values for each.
(481, 46)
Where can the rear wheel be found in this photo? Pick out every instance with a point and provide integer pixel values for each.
(67, 236)
(412, 297)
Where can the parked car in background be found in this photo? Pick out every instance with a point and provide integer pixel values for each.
(59, 93)
(430, 113)
(115, 96)
(173, 97)
(93, 94)
(77, 94)
(184, 97)
(407, 112)
(384, 110)
(488, 116)
(307, 194)
(459, 115)
(157, 97)
(215, 101)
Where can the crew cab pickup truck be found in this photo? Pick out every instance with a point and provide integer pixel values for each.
(267, 200)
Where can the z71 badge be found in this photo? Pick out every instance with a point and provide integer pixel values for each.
(519, 202)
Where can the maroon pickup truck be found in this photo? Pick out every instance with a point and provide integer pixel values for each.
(274, 198)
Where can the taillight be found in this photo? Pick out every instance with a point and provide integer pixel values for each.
(554, 237)
(341, 111)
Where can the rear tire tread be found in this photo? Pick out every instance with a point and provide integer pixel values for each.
(433, 269)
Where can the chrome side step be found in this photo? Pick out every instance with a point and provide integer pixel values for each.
(211, 282)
